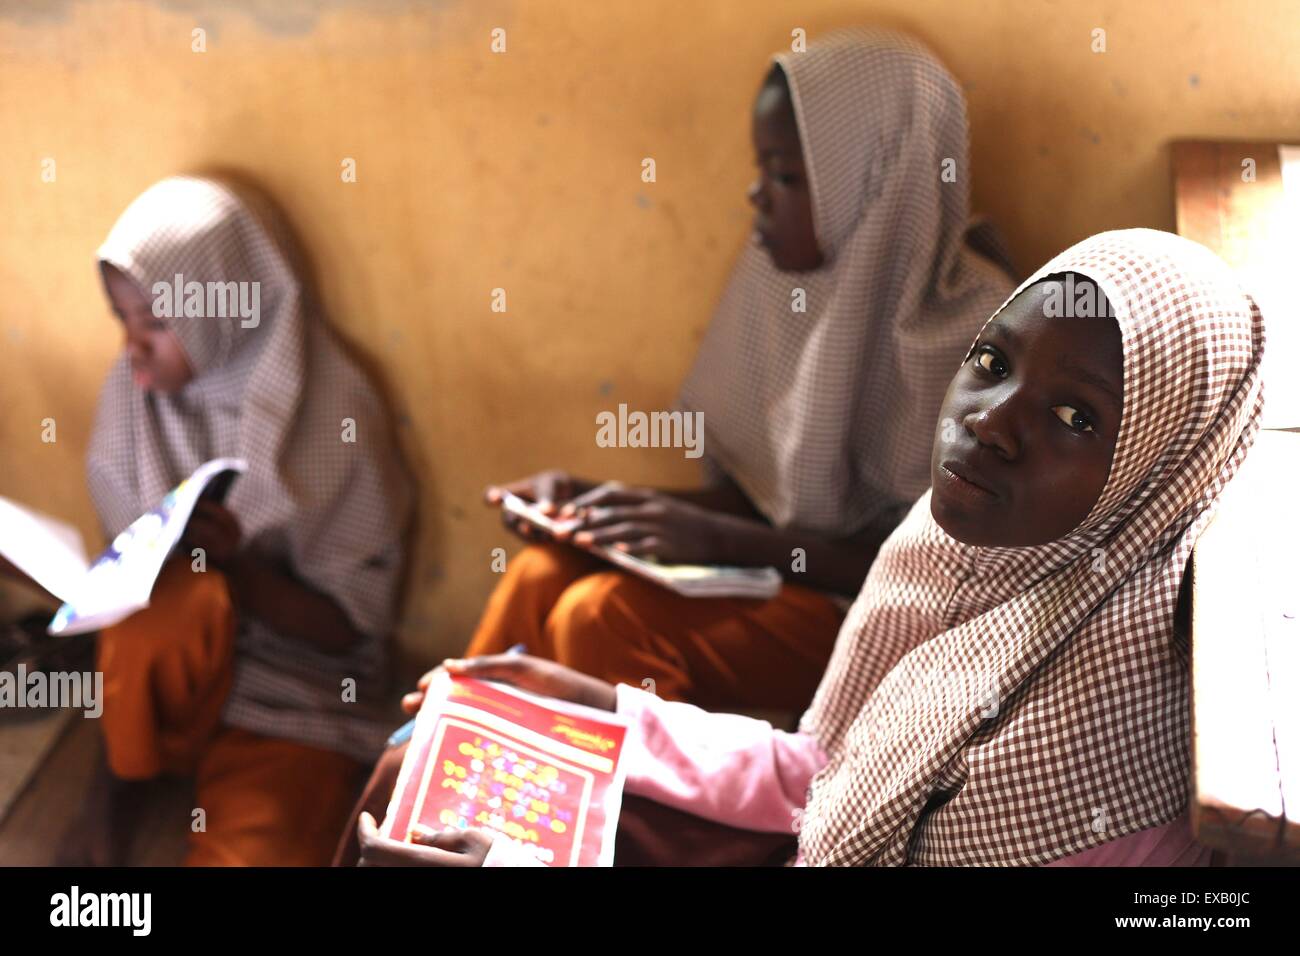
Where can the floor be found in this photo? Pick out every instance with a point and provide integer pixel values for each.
(36, 813)
(26, 737)
(46, 763)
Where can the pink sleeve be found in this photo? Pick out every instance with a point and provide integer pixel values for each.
(723, 767)
(1169, 845)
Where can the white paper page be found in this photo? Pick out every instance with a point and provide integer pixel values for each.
(47, 550)
(122, 577)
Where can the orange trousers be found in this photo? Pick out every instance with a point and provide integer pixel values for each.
(167, 671)
(719, 653)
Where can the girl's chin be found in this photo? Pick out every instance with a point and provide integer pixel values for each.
(959, 524)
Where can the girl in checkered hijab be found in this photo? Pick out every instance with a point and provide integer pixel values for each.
(1011, 685)
(261, 672)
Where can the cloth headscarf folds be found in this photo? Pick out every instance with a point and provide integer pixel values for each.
(282, 394)
(823, 417)
(1007, 706)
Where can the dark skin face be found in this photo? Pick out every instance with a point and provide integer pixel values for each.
(781, 197)
(1032, 419)
(158, 361)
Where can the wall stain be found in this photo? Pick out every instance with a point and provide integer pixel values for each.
(285, 18)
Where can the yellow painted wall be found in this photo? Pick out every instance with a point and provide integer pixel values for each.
(522, 171)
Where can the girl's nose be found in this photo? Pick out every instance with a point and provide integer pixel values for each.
(755, 194)
(993, 427)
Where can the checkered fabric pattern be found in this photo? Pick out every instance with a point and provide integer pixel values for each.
(824, 417)
(277, 394)
(1089, 739)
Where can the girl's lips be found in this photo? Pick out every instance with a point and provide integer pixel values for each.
(958, 487)
(141, 378)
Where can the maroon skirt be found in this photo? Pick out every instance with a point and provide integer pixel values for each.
(649, 833)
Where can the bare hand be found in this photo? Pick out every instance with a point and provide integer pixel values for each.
(646, 523)
(534, 674)
(428, 847)
(547, 489)
(215, 529)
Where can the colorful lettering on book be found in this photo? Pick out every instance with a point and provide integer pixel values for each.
(493, 760)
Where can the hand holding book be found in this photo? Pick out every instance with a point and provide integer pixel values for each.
(119, 581)
(490, 763)
(690, 580)
(547, 491)
(534, 674)
(214, 529)
(427, 847)
(644, 523)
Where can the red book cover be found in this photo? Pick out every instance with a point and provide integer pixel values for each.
(546, 773)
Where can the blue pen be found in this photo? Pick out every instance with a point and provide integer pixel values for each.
(403, 733)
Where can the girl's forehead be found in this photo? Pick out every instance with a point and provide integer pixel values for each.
(1084, 339)
(1072, 298)
(774, 113)
(122, 286)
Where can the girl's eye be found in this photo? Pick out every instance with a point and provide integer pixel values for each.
(787, 179)
(990, 361)
(1073, 417)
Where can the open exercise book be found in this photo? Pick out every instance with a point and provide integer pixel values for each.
(118, 583)
(546, 773)
(691, 580)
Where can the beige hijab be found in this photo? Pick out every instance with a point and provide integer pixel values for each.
(823, 417)
(1017, 705)
(280, 394)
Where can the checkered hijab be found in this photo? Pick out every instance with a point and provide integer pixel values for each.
(1017, 705)
(276, 394)
(823, 417)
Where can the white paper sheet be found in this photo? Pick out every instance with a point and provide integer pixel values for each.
(46, 549)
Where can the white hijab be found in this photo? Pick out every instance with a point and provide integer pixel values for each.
(824, 418)
(281, 395)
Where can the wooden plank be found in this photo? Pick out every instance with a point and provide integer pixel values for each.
(1196, 192)
(1241, 221)
(1251, 224)
(1245, 607)
(1245, 628)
